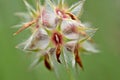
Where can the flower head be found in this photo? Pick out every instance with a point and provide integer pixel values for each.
(56, 30)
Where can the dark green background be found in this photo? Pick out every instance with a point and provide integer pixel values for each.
(104, 14)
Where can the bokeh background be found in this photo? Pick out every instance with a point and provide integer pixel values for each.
(103, 14)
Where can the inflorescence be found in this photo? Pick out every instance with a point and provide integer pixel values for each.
(56, 32)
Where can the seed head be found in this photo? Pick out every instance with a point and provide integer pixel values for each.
(57, 30)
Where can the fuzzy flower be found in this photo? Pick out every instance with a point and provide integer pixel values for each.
(56, 33)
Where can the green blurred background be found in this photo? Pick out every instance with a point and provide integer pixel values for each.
(104, 14)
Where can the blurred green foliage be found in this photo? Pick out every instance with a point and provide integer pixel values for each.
(104, 14)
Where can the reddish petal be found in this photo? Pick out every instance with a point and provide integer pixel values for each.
(77, 58)
(57, 38)
(72, 16)
(47, 63)
(58, 52)
(61, 13)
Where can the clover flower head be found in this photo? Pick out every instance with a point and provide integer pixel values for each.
(56, 32)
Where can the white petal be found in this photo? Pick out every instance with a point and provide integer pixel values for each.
(25, 16)
(68, 58)
(30, 9)
(39, 40)
(49, 4)
(68, 26)
(54, 2)
(49, 18)
(89, 47)
(36, 62)
(70, 45)
(76, 9)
